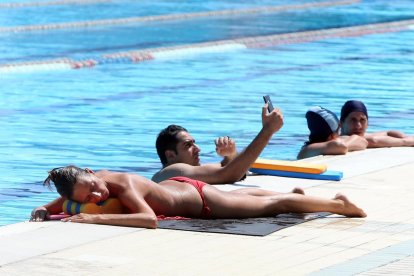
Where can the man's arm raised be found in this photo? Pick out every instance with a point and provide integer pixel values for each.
(238, 166)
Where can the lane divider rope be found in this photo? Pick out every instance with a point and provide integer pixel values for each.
(136, 56)
(50, 3)
(184, 16)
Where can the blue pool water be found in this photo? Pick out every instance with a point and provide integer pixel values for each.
(108, 116)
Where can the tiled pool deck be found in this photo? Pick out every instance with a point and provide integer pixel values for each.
(380, 181)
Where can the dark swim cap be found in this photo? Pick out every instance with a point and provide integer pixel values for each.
(353, 106)
(321, 123)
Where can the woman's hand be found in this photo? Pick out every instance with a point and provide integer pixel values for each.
(82, 218)
(39, 214)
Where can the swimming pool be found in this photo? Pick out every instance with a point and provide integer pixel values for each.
(108, 116)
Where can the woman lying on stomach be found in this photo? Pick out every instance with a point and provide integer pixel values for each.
(178, 196)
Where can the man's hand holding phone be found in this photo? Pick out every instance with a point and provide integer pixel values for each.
(272, 120)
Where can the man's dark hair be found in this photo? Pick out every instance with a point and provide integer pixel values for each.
(167, 140)
(64, 178)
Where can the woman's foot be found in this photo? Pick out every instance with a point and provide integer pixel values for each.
(349, 208)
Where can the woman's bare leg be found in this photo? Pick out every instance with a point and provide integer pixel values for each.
(260, 192)
(239, 205)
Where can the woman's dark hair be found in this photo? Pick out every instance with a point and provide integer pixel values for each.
(167, 140)
(64, 178)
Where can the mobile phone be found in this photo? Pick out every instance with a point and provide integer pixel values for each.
(269, 102)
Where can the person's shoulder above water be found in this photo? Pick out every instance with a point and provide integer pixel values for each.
(355, 121)
(323, 125)
(324, 136)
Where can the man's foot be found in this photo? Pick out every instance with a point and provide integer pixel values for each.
(298, 190)
(350, 209)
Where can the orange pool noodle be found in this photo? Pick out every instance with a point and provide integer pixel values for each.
(289, 166)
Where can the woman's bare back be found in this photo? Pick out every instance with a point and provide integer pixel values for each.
(169, 197)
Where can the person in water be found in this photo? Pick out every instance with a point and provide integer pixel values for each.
(324, 138)
(144, 199)
(354, 120)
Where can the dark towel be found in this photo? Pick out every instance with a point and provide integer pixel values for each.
(250, 227)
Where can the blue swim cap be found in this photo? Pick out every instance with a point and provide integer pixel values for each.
(321, 123)
(353, 106)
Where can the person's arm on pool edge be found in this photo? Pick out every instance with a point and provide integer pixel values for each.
(354, 142)
(381, 140)
(332, 147)
(338, 146)
(42, 213)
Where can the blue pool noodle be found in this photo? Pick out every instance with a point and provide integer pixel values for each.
(327, 175)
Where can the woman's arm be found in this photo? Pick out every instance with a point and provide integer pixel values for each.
(43, 212)
(144, 220)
